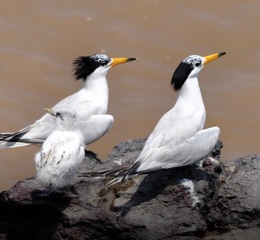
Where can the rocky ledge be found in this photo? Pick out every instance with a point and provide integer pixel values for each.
(213, 200)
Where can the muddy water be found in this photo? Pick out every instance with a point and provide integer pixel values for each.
(39, 40)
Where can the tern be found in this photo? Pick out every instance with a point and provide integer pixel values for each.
(178, 138)
(62, 152)
(90, 104)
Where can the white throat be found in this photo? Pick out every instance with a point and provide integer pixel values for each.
(97, 91)
(190, 91)
(190, 98)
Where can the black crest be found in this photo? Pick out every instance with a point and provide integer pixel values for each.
(180, 75)
(83, 66)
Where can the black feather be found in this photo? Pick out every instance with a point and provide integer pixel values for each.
(180, 75)
(83, 66)
(131, 171)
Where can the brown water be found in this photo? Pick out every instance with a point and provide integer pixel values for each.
(39, 40)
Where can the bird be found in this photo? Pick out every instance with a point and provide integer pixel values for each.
(90, 103)
(62, 152)
(178, 139)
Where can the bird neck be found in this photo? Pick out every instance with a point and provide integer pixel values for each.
(97, 87)
(96, 82)
(191, 100)
(96, 92)
(190, 94)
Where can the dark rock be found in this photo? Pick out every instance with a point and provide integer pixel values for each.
(237, 203)
(210, 201)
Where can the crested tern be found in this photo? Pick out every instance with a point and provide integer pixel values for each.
(90, 104)
(178, 138)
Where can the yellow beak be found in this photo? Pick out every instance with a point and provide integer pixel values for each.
(212, 57)
(50, 111)
(116, 61)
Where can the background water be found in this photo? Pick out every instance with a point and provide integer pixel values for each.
(40, 39)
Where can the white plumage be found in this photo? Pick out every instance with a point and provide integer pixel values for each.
(62, 152)
(178, 138)
(90, 104)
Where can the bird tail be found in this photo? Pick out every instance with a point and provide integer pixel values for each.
(12, 141)
(5, 135)
(7, 144)
(107, 172)
(117, 175)
(16, 139)
(114, 181)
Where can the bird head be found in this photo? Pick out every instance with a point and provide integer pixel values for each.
(65, 117)
(191, 66)
(98, 64)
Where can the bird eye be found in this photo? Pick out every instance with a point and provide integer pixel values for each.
(58, 114)
(197, 64)
(103, 63)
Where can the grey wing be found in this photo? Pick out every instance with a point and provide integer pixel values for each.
(42, 128)
(83, 106)
(33, 134)
(173, 129)
(100, 123)
(189, 151)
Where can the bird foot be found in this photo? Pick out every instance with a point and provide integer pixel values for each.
(42, 193)
(92, 155)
